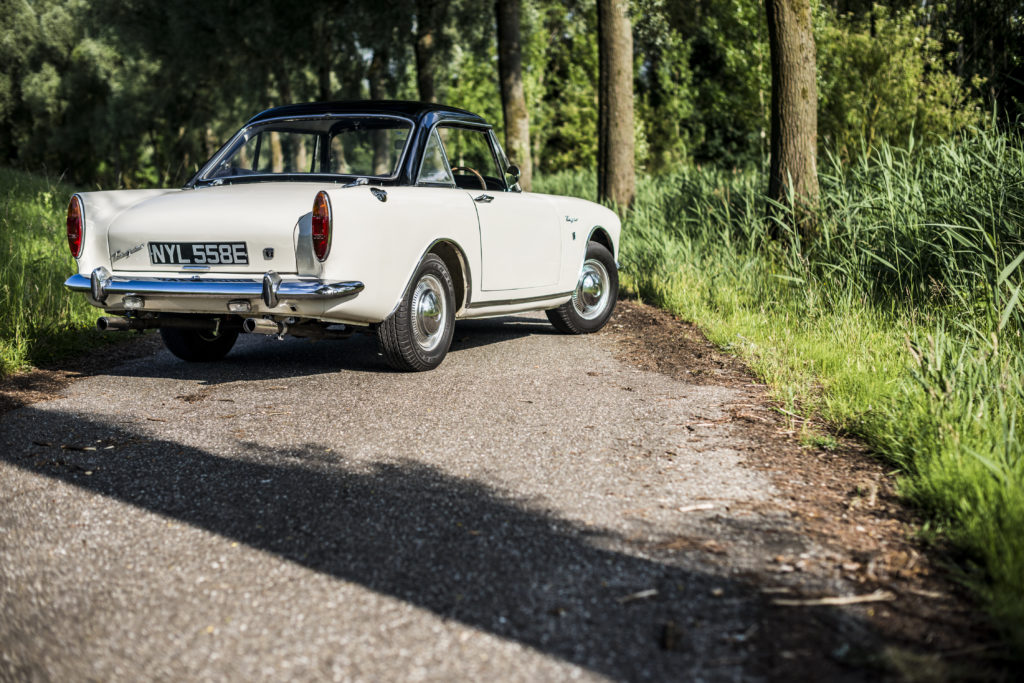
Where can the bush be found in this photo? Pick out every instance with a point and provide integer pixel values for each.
(884, 77)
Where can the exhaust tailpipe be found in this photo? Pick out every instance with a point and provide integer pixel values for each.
(120, 324)
(264, 326)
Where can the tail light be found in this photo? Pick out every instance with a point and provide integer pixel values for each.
(322, 220)
(76, 226)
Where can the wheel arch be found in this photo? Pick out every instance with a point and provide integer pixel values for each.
(458, 266)
(600, 235)
(454, 258)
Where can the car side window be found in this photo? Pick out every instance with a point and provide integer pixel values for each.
(434, 169)
(471, 158)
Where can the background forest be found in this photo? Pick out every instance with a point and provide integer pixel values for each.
(898, 319)
(137, 93)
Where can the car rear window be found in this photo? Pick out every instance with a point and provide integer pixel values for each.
(360, 146)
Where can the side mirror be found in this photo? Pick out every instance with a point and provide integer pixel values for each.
(512, 177)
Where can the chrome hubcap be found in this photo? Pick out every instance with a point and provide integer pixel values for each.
(591, 295)
(428, 312)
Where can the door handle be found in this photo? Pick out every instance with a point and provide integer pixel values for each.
(484, 199)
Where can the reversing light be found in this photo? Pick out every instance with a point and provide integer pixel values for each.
(322, 220)
(75, 225)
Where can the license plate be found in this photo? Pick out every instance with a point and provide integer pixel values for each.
(198, 253)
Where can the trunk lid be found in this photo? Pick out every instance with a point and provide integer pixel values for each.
(262, 216)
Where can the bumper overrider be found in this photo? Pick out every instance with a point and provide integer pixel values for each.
(272, 288)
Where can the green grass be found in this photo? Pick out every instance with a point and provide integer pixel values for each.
(901, 324)
(40, 321)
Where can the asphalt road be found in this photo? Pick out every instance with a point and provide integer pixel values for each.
(535, 509)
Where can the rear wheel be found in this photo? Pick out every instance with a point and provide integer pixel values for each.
(418, 334)
(198, 347)
(594, 299)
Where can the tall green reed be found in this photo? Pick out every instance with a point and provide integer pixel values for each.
(38, 317)
(904, 318)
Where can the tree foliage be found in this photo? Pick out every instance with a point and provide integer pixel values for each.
(883, 76)
(140, 92)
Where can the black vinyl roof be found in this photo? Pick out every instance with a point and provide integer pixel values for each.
(417, 111)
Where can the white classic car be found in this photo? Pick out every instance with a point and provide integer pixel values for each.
(322, 219)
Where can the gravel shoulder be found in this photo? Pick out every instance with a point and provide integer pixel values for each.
(624, 505)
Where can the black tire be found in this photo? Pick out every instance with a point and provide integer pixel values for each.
(408, 339)
(198, 347)
(586, 312)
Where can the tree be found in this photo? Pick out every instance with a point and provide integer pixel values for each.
(882, 76)
(616, 176)
(513, 99)
(794, 109)
(430, 17)
(560, 45)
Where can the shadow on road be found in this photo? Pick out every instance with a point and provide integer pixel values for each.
(452, 546)
(473, 333)
(258, 357)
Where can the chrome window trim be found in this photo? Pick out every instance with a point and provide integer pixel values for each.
(200, 177)
(499, 151)
(457, 123)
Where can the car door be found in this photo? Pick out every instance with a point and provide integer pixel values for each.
(519, 240)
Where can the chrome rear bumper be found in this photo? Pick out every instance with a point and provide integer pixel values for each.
(272, 288)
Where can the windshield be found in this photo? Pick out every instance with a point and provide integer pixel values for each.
(364, 146)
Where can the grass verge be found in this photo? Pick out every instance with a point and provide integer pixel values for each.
(40, 321)
(900, 323)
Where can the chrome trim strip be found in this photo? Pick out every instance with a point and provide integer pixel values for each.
(483, 125)
(591, 236)
(512, 302)
(218, 287)
(468, 284)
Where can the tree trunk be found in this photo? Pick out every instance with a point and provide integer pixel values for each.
(323, 73)
(276, 153)
(429, 23)
(324, 82)
(616, 176)
(376, 75)
(794, 115)
(513, 99)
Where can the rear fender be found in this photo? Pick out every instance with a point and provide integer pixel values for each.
(100, 209)
(381, 242)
